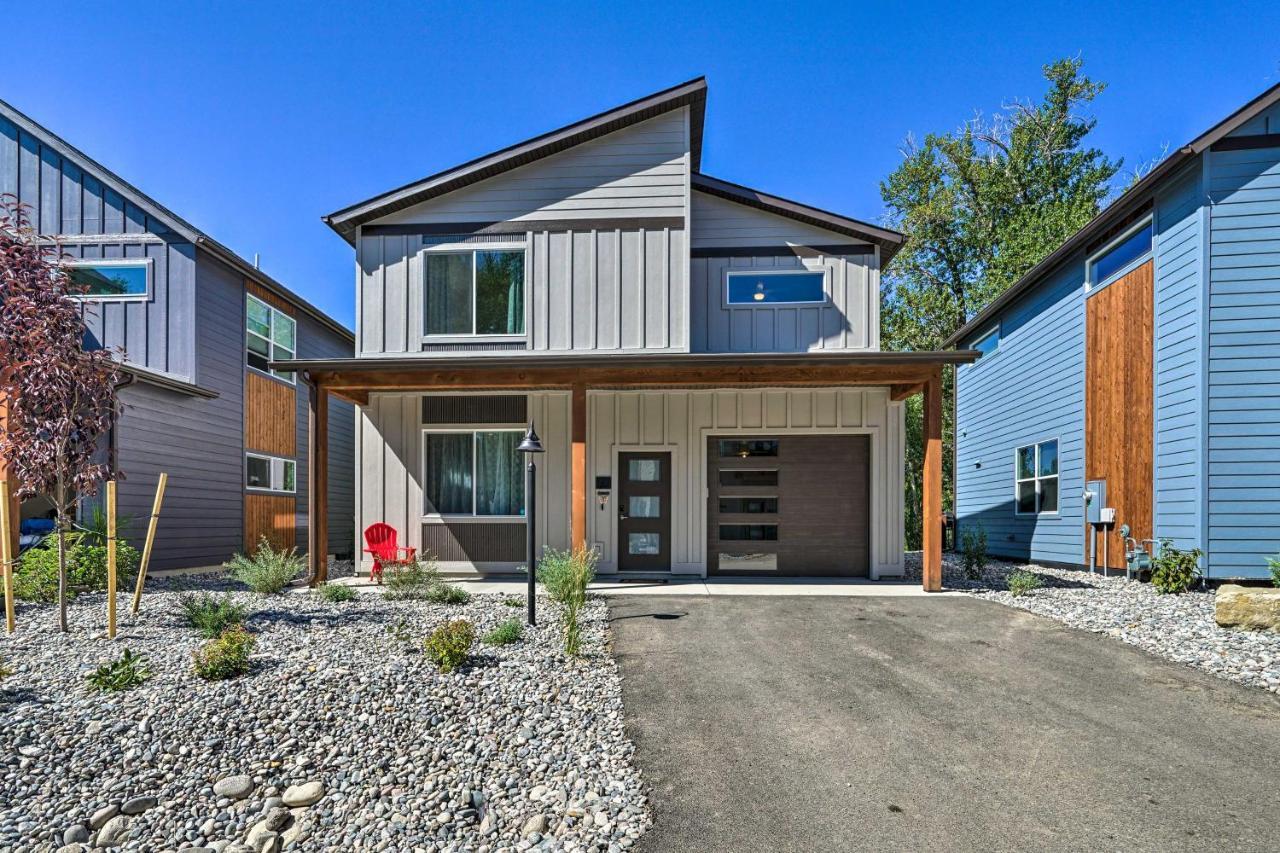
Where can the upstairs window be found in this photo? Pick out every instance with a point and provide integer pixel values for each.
(1120, 256)
(1036, 478)
(270, 335)
(474, 293)
(789, 287)
(988, 343)
(123, 279)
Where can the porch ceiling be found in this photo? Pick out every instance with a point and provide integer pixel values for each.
(355, 378)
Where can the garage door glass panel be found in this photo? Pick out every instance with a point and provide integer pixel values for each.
(733, 477)
(756, 562)
(748, 505)
(747, 448)
(644, 544)
(644, 470)
(644, 506)
(749, 532)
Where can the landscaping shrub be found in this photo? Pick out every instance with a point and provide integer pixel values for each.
(508, 632)
(226, 656)
(566, 576)
(411, 581)
(1174, 570)
(335, 593)
(1021, 581)
(36, 576)
(1273, 563)
(973, 552)
(513, 602)
(269, 570)
(210, 615)
(554, 572)
(447, 593)
(449, 645)
(128, 672)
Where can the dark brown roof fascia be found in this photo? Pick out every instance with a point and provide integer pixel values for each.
(692, 94)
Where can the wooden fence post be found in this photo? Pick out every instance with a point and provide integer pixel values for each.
(6, 554)
(151, 538)
(111, 559)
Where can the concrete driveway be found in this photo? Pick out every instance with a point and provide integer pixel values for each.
(840, 724)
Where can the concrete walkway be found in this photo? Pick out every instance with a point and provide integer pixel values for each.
(824, 587)
(924, 723)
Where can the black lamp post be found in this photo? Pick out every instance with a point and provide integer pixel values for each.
(530, 445)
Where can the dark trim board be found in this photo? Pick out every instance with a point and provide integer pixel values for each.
(1245, 143)
(521, 226)
(844, 249)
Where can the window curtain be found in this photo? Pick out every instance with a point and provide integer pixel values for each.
(499, 484)
(448, 486)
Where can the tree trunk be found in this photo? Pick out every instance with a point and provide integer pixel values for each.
(62, 577)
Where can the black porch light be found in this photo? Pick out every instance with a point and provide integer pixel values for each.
(530, 445)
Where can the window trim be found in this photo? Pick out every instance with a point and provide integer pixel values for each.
(1090, 262)
(271, 460)
(148, 264)
(1036, 478)
(730, 273)
(472, 249)
(292, 377)
(473, 430)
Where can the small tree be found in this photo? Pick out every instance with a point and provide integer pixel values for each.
(60, 397)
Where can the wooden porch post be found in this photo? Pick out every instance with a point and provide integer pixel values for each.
(931, 516)
(578, 468)
(318, 483)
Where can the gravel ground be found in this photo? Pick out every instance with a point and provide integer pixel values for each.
(521, 749)
(1179, 628)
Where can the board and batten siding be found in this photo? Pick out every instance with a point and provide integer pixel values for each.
(1029, 390)
(67, 201)
(1243, 418)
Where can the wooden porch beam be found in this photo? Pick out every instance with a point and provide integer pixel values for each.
(931, 515)
(578, 467)
(318, 484)
(898, 393)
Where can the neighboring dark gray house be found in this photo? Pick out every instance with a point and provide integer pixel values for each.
(1140, 362)
(197, 325)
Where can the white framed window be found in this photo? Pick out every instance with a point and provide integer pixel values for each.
(269, 335)
(473, 292)
(1121, 255)
(987, 343)
(472, 472)
(745, 288)
(112, 279)
(1035, 476)
(270, 473)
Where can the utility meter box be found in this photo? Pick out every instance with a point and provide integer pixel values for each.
(1107, 515)
(1095, 501)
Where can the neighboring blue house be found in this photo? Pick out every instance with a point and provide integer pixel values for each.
(1144, 353)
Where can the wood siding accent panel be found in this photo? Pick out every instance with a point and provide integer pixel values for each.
(270, 414)
(268, 297)
(1118, 403)
(272, 516)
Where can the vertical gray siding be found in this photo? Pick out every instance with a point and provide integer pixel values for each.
(849, 321)
(1244, 361)
(1178, 365)
(156, 333)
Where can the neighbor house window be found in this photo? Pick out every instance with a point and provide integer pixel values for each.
(1120, 255)
(270, 473)
(126, 279)
(473, 472)
(270, 335)
(789, 287)
(474, 293)
(988, 343)
(1036, 478)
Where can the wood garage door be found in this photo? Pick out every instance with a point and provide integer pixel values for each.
(794, 505)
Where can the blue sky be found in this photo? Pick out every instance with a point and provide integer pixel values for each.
(252, 120)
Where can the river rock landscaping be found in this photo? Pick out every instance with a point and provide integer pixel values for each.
(343, 736)
(1180, 628)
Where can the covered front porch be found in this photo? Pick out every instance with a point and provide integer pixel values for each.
(683, 435)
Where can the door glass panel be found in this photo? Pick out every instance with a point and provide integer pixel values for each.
(733, 477)
(644, 470)
(746, 448)
(644, 544)
(644, 506)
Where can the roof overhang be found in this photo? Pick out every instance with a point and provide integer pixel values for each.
(692, 94)
(355, 378)
(888, 240)
(1138, 194)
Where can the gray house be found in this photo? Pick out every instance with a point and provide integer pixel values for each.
(701, 359)
(1140, 363)
(198, 326)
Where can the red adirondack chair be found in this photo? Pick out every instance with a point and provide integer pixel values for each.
(383, 542)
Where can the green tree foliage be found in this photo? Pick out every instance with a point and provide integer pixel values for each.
(980, 206)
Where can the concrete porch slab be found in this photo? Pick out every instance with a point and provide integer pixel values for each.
(772, 587)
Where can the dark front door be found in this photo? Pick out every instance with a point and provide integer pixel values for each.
(644, 512)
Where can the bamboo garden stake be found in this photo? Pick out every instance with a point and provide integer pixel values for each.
(151, 538)
(111, 559)
(6, 554)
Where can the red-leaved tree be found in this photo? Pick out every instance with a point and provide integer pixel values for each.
(61, 398)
